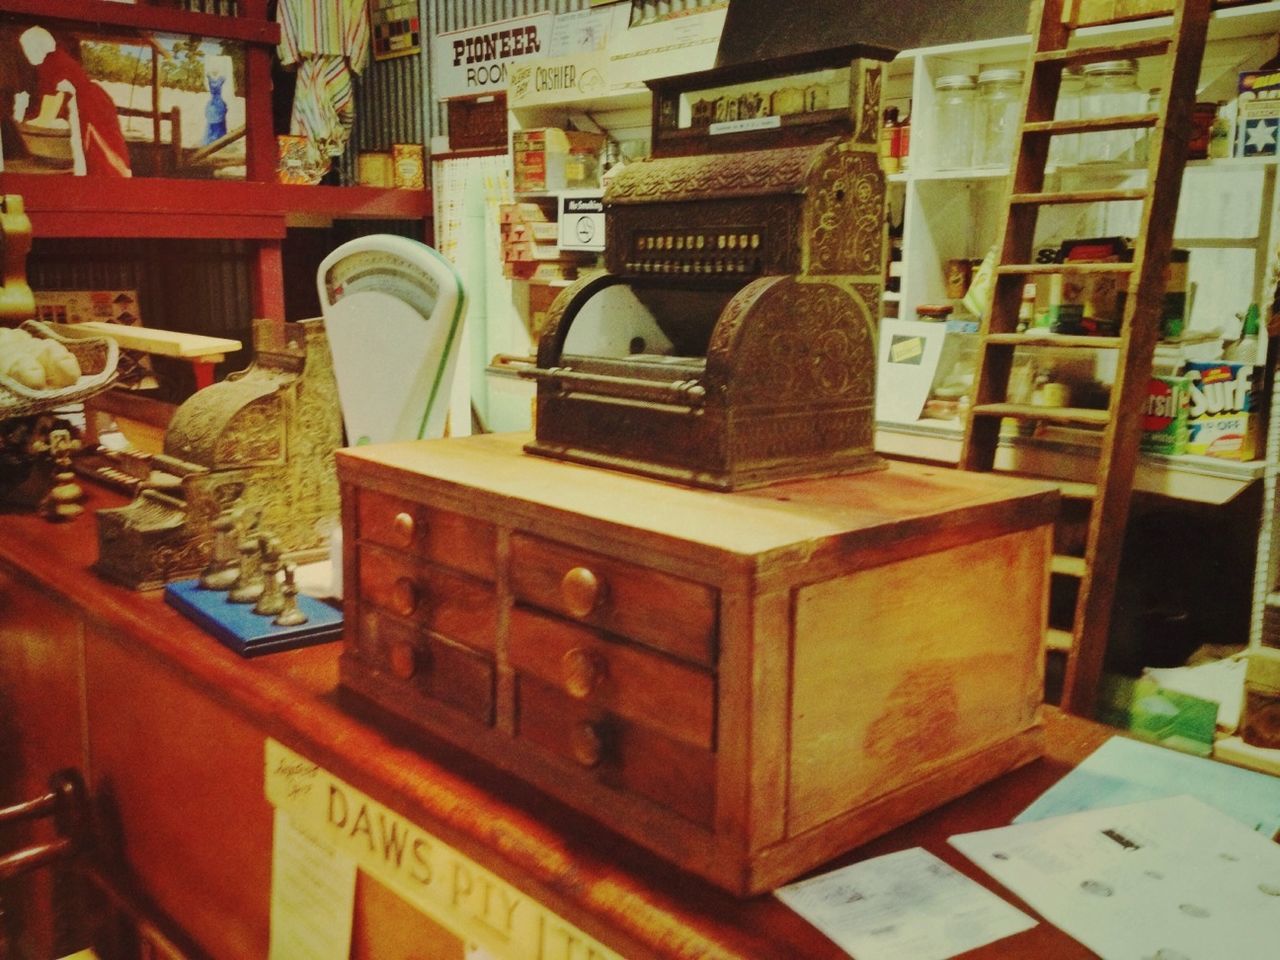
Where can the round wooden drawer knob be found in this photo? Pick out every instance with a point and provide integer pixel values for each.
(403, 660)
(404, 596)
(586, 744)
(404, 529)
(582, 671)
(582, 591)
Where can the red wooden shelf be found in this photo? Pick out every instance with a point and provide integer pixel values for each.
(67, 206)
(161, 19)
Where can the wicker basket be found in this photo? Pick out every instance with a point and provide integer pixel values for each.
(97, 357)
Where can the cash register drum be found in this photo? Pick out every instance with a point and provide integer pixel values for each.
(730, 343)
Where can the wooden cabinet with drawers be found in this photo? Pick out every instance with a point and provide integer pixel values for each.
(745, 683)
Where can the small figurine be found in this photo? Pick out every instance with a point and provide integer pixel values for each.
(223, 569)
(62, 502)
(272, 600)
(249, 584)
(290, 616)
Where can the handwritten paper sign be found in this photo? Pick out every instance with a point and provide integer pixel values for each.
(473, 903)
(313, 889)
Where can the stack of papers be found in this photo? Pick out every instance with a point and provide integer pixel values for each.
(1140, 853)
(1171, 879)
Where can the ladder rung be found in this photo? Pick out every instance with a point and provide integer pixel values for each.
(1077, 196)
(1027, 411)
(1069, 489)
(1120, 51)
(1126, 121)
(1067, 566)
(1077, 490)
(1083, 266)
(1059, 640)
(1070, 341)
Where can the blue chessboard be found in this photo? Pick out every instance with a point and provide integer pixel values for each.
(247, 633)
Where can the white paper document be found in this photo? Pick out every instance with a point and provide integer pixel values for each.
(1123, 771)
(313, 890)
(903, 906)
(1169, 879)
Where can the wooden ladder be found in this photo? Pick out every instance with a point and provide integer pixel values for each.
(1111, 488)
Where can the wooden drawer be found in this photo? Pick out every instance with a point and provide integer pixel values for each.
(446, 538)
(456, 607)
(663, 611)
(649, 688)
(617, 753)
(427, 665)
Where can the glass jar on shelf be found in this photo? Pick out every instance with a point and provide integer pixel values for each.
(954, 121)
(1065, 150)
(999, 109)
(1110, 90)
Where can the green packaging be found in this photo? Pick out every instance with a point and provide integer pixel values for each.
(1166, 416)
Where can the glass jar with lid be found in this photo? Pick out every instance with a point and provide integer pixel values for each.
(953, 127)
(999, 110)
(1111, 89)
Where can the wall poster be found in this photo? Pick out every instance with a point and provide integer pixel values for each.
(120, 103)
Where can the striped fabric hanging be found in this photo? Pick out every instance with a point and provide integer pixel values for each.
(328, 41)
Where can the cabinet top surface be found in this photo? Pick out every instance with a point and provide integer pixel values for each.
(492, 473)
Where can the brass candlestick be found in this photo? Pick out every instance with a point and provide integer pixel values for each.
(223, 569)
(272, 600)
(291, 615)
(249, 584)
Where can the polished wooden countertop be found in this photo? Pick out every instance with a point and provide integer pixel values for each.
(638, 905)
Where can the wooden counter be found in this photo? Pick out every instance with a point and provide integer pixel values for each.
(169, 728)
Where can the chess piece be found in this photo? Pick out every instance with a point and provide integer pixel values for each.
(290, 616)
(249, 584)
(223, 569)
(272, 600)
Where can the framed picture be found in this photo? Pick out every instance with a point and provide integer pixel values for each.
(120, 103)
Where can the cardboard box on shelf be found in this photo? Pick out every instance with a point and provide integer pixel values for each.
(408, 163)
(1258, 114)
(524, 213)
(374, 169)
(550, 159)
(295, 162)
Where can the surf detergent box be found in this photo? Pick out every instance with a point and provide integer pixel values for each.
(1223, 416)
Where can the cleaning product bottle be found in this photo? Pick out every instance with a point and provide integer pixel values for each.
(1245, 350)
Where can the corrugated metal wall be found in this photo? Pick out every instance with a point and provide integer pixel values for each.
(393, 102)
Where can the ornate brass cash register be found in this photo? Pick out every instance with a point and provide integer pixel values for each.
(730, 342)
(260, 442)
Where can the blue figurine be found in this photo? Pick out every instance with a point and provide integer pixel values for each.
(215, 111)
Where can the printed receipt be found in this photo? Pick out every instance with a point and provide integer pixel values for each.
(903, 906)
(313, 890)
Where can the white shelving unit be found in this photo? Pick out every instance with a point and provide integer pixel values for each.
(1227, 216)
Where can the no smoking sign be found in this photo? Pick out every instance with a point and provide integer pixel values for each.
(581, 220)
